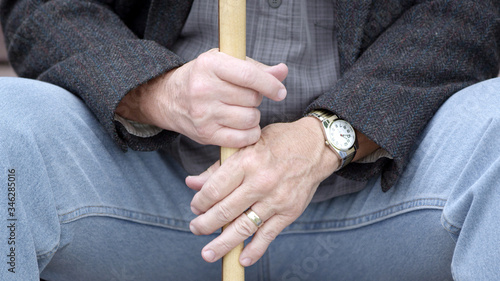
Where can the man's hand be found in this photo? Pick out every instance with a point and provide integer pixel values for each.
(277, 177)
(212, 99)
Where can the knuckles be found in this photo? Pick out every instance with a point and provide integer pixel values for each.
(206, 60)
(257, 99)
(244, 229)
(204, 134)
(252, 119)
(247, 72)
(224, 246)
(223, 214)
(268, 235)
(211, 192)
(198, 88)
(242, 138)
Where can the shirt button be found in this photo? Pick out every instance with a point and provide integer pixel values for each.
(274, 3)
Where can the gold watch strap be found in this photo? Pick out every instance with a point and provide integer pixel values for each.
(326, 118)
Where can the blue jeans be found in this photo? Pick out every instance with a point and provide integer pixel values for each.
(75, 207)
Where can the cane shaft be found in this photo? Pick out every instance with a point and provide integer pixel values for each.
(232, 41)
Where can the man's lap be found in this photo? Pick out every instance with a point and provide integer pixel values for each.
(74, 185)
(454, 149)
(454, 170)
(96, 188)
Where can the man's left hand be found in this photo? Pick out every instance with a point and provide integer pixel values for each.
(276, 177)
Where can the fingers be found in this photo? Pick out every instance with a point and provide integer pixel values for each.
(239, 118)
(218, 187)
(231, 237)
(214, 98)
(251, 76)
(224, 125)
(228, 137)
(239, 96)
(248, 77)
(280, 71)
(254, 250)
(223, 212)
(197, 182)
(277, 182)
(236, 232)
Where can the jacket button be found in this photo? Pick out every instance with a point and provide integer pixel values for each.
(274, 3)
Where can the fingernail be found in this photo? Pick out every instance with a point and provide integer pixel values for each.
(282, 94)
(209, 255)
(195, 211)
(246, 262)
(193, 229)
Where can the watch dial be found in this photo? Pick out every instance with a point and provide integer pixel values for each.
(342, 135)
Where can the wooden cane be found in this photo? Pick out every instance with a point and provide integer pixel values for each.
(232, 41)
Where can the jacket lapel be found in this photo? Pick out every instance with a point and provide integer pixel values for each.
(166, 19)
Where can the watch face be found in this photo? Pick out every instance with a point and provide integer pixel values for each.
(342, 135)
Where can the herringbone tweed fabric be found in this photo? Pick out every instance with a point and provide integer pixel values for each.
(400, 60)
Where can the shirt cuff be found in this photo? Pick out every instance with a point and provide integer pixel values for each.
(374, 156)
(138, 129)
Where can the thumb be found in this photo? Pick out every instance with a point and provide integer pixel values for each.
(197, 182)
(280, 71)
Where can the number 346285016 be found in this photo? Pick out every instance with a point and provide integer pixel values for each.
(11, 188)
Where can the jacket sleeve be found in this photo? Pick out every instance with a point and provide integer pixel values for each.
(88, 49)
(401, 78)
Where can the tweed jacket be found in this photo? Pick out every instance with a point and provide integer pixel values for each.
(400, 60)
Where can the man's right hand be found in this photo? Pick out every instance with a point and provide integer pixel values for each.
(212, 99)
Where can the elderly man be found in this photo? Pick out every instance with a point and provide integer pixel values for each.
(406, 187)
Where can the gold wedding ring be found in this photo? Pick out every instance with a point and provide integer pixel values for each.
(253, 217)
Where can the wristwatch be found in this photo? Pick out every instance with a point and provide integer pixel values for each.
(339, 134)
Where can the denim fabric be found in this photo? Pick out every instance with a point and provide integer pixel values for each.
(84, 210)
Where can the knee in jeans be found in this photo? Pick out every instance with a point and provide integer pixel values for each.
(481, 100)
(28, 104)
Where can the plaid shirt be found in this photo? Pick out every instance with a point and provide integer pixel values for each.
(298, 33)
(399, 61)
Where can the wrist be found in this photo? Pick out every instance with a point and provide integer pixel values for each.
(314, 137)
(361, 144)
(133, 105)
(128, 107)
(339, 135)
(365, 146)
(143, 103)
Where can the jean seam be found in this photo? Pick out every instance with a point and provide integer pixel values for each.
(397, 205)
(366, 219)
(124, 214)
(48, 253)
(52, 251)
(449, 226)
(70, 219)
